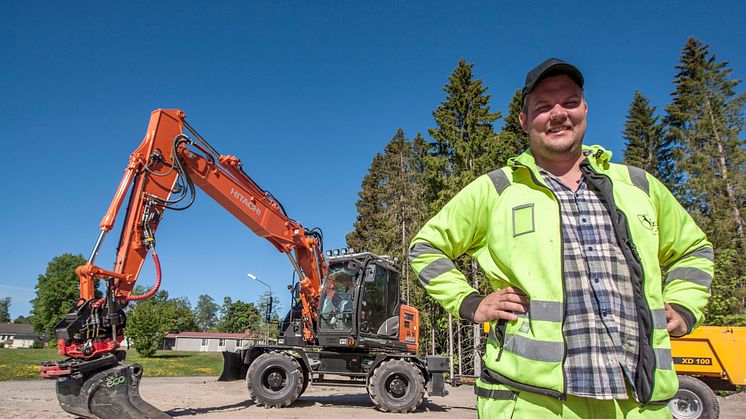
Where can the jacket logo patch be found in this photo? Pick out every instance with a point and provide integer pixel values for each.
(648, 222)
(523, 219)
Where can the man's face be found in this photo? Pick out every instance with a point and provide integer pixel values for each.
(331, 290)
(554, 118)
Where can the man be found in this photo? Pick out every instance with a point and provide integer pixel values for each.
(573, 245)
(332, 301)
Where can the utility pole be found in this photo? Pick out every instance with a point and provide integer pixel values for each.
(269, 304)
(450, 346)
(477, 336)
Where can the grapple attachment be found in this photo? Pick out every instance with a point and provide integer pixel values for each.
(106, 388)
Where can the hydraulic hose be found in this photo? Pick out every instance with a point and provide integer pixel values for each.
(148, 294)
(157, 280)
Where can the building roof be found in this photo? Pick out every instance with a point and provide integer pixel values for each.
(214, 335)
(18, 330)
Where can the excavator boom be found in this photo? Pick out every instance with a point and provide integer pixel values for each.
(162, 174)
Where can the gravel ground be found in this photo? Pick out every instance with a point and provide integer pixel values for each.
(207, 397)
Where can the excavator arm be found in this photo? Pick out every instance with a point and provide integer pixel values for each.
(161, 175)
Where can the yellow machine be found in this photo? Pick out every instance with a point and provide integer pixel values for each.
(708, 359)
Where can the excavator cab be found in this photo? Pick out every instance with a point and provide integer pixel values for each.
(337, 300)
(360, 305)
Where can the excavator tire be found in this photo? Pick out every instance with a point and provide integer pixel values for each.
(109, 393)
(396, 386)
(274, 379)
(306, 380)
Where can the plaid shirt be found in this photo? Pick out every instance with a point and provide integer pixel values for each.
(600, 327)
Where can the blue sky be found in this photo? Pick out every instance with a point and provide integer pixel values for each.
(305, 93)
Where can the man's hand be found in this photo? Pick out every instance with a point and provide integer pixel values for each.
(501, 305)
(676, 324)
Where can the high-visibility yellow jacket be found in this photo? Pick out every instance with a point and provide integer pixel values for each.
(511, 223)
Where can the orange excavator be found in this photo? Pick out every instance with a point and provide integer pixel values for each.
(347, 318)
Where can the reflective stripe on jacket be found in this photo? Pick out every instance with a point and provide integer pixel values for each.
(510, 222)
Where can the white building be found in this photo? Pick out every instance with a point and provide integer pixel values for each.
(18, 335)
(209, 341)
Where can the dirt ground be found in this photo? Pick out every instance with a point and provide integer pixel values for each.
(207, 397)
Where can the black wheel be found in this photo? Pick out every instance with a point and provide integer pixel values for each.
(306, 380)
(274, 379)
(694, 400)
(396, 386)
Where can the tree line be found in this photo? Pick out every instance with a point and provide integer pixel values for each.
(148, 321)
(695, 148)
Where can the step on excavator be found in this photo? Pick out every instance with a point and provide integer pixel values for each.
(347, 318)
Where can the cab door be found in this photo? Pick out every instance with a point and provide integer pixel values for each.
(379, 302)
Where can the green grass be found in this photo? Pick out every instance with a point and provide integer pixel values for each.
(23, 364)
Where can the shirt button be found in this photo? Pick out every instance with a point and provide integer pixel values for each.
(604, 313)
(590, 248)
(582, 219)
(596, 280)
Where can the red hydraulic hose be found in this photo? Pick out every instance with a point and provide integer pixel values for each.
(157, 280)
(148, 294)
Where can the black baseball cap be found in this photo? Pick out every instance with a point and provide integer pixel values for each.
(550, 67)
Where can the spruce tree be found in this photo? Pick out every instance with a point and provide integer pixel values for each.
(646, 144)
(401, 214)
(366, 234)
(511, 140)
(464, 144)
(392, 208)
(706, 119)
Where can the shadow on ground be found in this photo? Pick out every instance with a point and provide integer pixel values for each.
(354, 401)
(212, 409)
(362, 400)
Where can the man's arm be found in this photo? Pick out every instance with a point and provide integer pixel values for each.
(461, 227)
(687, 258)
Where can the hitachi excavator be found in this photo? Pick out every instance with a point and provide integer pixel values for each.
(347, 319)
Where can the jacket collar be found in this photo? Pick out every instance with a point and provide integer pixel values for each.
(597, 156)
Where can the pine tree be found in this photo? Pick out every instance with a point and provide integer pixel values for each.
(706, 119)
(646, 144)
